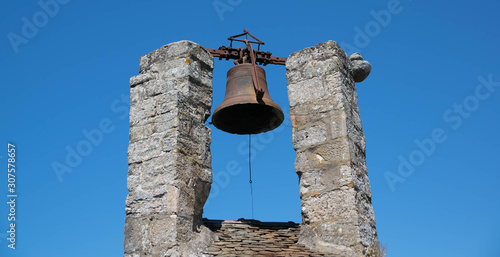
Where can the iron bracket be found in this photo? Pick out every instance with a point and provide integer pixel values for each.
(244, 55)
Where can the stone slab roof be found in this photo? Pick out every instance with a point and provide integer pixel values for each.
(255, 238)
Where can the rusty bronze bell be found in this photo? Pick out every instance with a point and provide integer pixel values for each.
(247, 107)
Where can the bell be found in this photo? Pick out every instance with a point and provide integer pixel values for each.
(245, 109)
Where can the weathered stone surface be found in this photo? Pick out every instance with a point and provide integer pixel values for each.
(178, 50)
(337, 216)
(151, 234)
(323, 180)
(360, 68)
(315, 85)
(169, 152)
(170, 173)
(310, 136)
(139, 79)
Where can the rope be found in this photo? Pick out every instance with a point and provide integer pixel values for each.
(250, 167)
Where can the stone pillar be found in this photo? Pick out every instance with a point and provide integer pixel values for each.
(337, 215)
(169, 156)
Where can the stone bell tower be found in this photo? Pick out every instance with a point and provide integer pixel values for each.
(169, 158)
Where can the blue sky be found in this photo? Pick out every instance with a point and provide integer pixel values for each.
(429, 110)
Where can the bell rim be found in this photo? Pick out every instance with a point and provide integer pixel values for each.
(250, 99)
(277, 111)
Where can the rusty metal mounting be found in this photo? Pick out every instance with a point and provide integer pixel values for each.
(243, 55)
(248, 55)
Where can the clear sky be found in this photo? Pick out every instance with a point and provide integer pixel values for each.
(430, 113)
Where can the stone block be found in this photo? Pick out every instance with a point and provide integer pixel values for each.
(154, 235)
(328, 206)
(170, 140)
(137, 94)
(316, 61)
(198, 152)
(310, 235)
(293, 76)
(367, 233)
(141, 78)
(327, 178)
(140, 111)
(152, 147)
(180, 49)
(347, 175)
(175, 69)
(167, 102)
(298, 120)
(160, 86)
(199, 93)
(356, 119)
(342, 232)
(340, 102)
(140, 132)
(335, 152)
(153, 172)
(309, 137)
(306, 91)
(206, 77)
(365, 209)
(363, 183)
(355, 135)
(302, 162)
(320, 68)
(154, 125)
(161, 199)
(358, 157)
(338, 125)
(335, 82)
(322, 51)
(310, 183)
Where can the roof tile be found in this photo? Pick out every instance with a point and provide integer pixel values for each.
(255, 238)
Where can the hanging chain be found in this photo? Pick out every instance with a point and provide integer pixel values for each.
(250, 167)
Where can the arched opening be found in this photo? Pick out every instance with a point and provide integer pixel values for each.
(274, 181)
